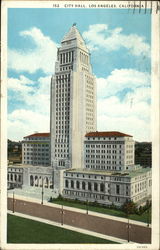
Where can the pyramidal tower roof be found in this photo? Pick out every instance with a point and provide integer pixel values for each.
(72, 34)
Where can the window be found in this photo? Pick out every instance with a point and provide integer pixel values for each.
(117, 189)
(95, 186)
(77, 184)
(72, 184)
(89, 186)
(83, 185)
(66, 183)
(31, 180)
(102, 187)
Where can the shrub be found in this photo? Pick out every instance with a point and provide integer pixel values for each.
(129, 207)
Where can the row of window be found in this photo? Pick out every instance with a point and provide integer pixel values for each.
(103, 167)
(61, 150)
(62, 140)
(87, 195)
(83, 176)
(66, 68)
(37, 158)
(28, 145)
(62, 77)
(104, 162)
(85, 185)
(103, 146)
(104, 151)
(84, 58)
(94, 196)
(14, 177)
(35, 150)
(15, 169)
(100, 138)
(46, 154)
(85, 69)
(64, 132)
(62, 155)
(34, 162)
(36, 138)
(66, 57)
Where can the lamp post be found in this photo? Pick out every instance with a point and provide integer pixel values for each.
(128, 228)
(13, 202)
(87, 206)
(148, 218)
(42, 192)
(62, 215)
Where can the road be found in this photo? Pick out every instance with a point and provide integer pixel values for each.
(136, 233)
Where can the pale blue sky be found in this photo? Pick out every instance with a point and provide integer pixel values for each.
(119, 43)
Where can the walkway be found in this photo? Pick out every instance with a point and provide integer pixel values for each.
(99, 223)
(79, 230)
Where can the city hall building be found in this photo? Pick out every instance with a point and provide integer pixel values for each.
(36, 149)
(75, 159)
(109, 174)
(73, 102)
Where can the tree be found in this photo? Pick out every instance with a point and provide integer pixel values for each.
(129, 207)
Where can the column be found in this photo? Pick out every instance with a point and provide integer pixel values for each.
(92, 186)
(80, 185)
(63, 57)
(67, 57)
(98, 187)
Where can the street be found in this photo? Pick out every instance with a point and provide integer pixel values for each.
(131, 232)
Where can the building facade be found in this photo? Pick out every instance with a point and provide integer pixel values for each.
(112, 150)
(75, 160)
(36, 149)
(108, 188)
(73, 102)
(14, 177)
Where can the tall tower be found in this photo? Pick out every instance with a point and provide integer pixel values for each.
(73, 102)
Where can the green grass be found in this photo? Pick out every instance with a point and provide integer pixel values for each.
(22, 230)
(115, 212)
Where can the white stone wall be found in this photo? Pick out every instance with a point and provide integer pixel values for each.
(72, 112)
(107, 188)
(95, 187)
(106, 153)
(14, 177)
(36, 151)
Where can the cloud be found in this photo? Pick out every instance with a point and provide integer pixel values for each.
(42, 57)
(23, 84)
(35, 95)
(139, 129)
(35, 116)
(120, 79)
(113, 107)
(127, 111)
(22, 122)
(100, 36)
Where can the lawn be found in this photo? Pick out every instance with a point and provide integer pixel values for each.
(115, 212)
(22, 230)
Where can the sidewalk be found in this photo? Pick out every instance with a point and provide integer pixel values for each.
(83, 211)
(71, 228)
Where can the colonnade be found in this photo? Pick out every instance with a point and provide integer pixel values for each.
(38, 181)
(14, 177)
(66, 57)
(85, 185)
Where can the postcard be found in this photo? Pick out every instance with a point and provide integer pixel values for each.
(80, 125)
